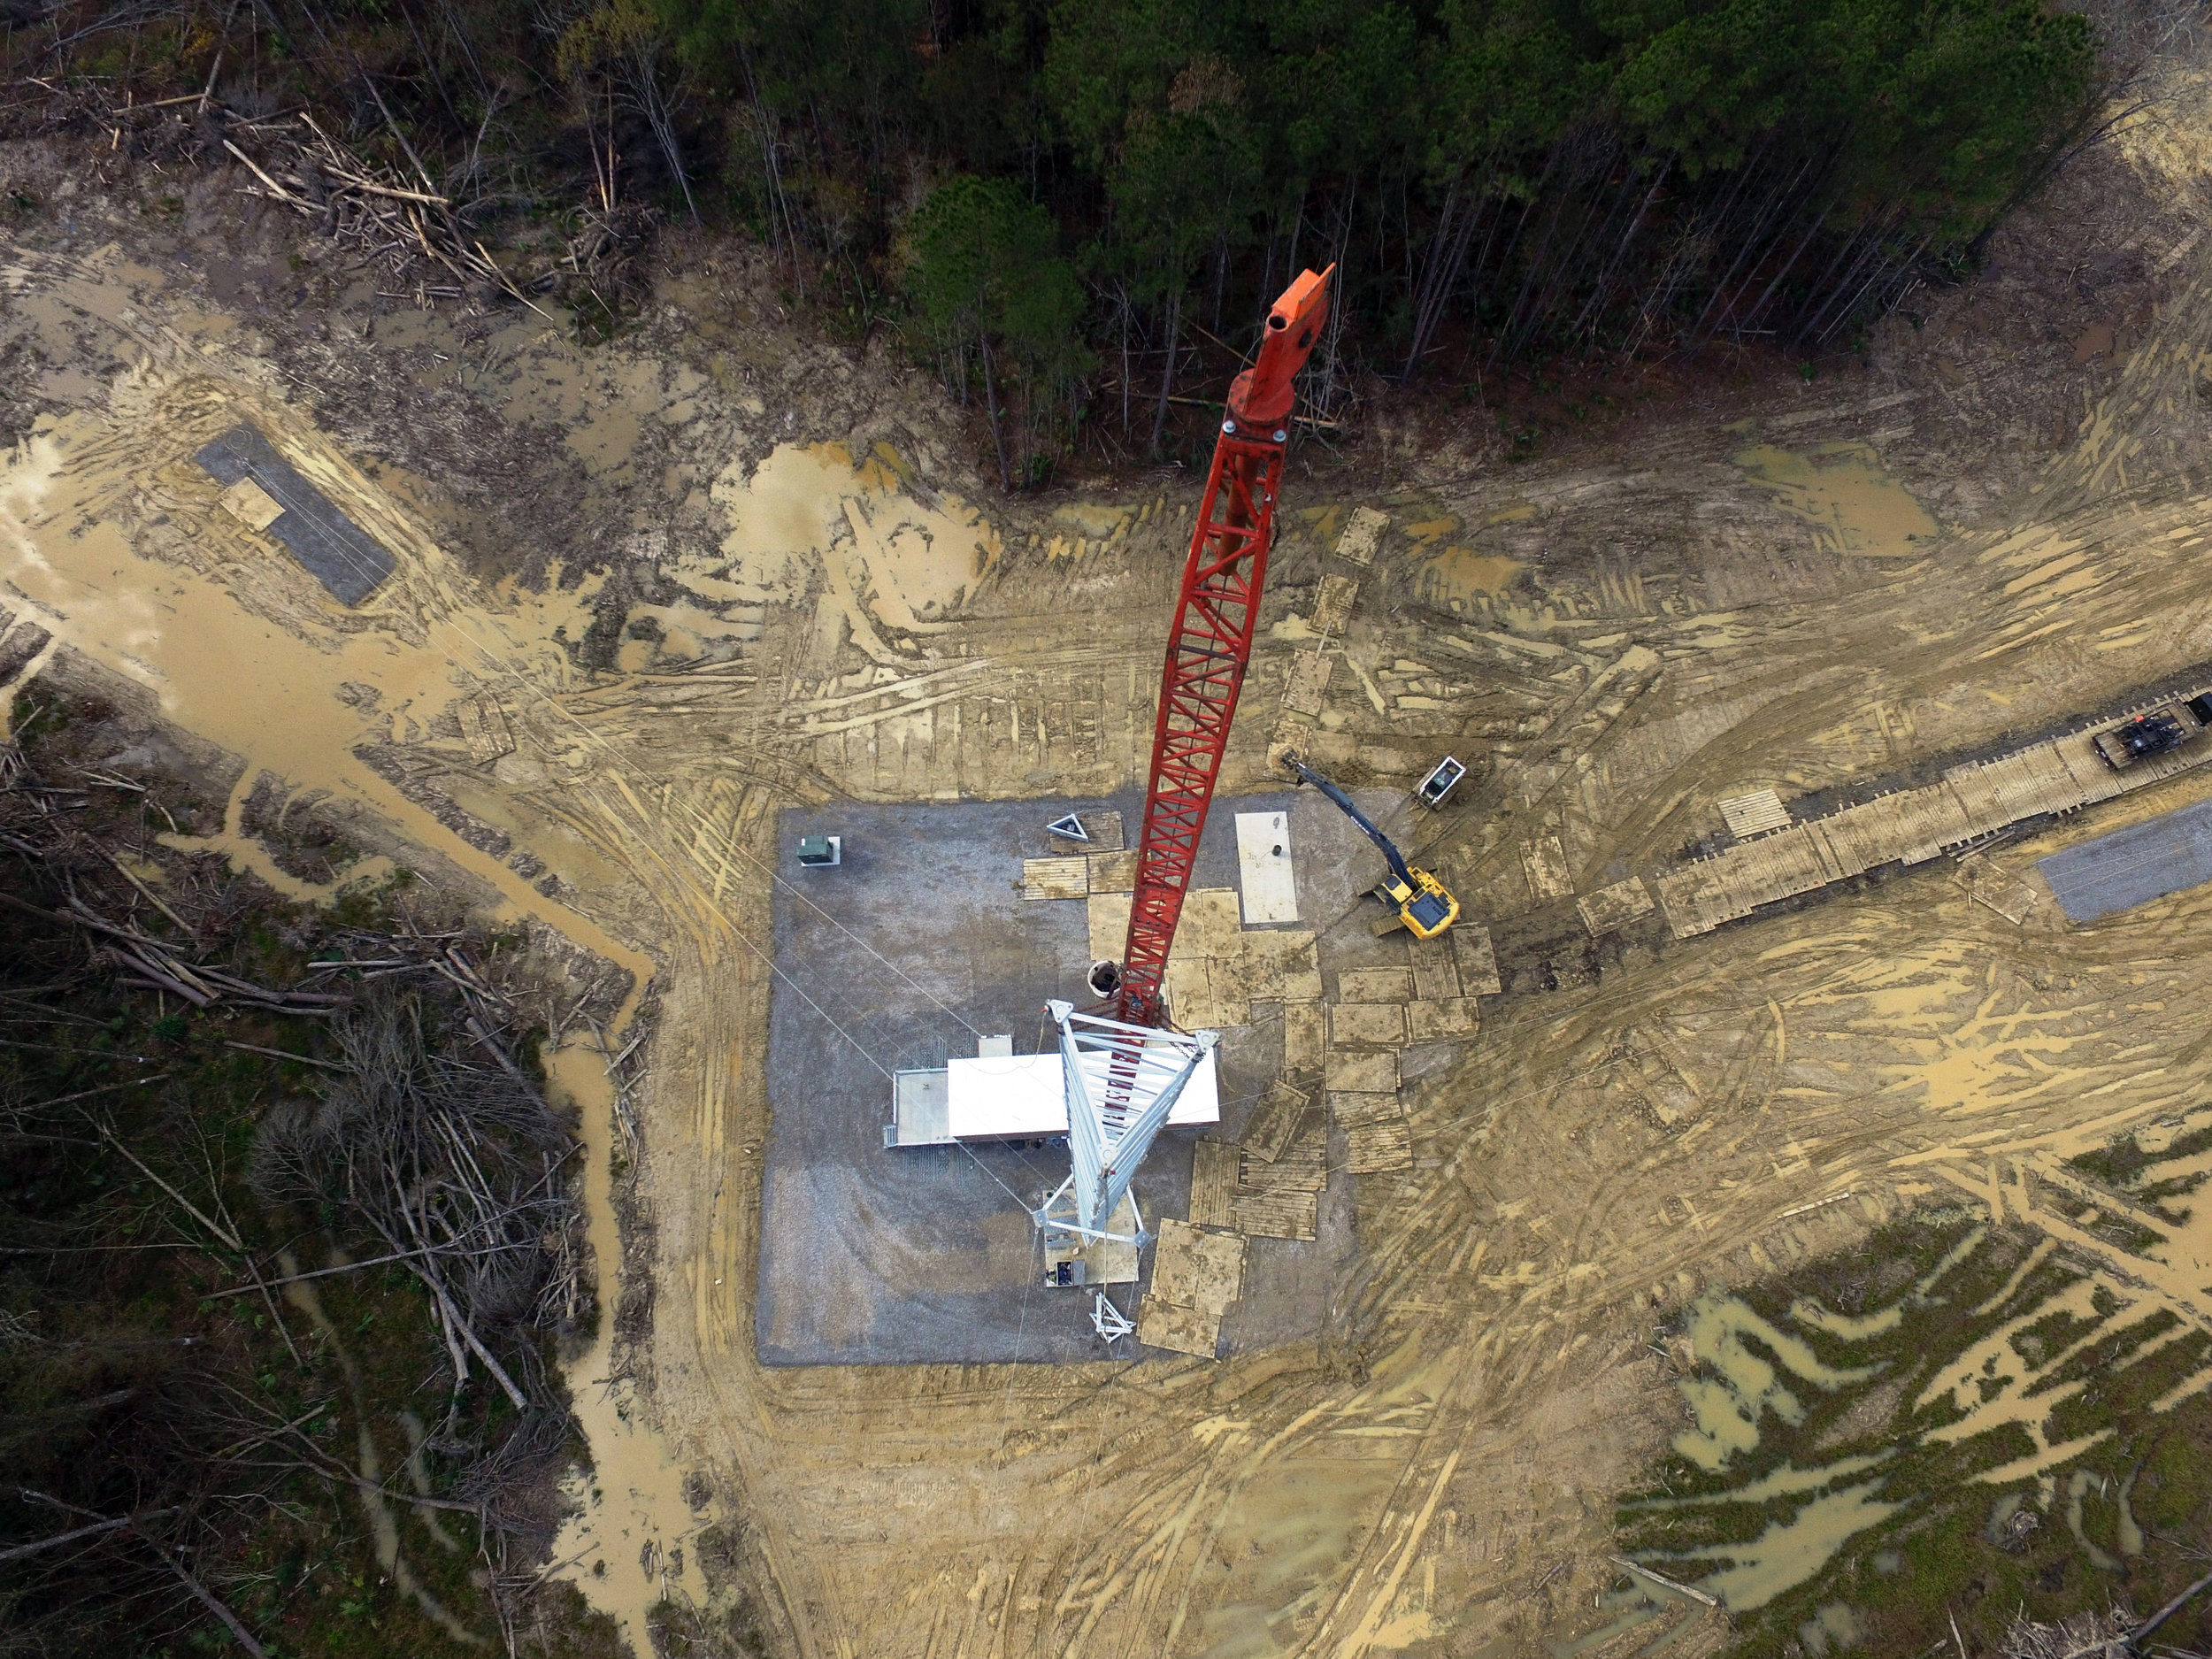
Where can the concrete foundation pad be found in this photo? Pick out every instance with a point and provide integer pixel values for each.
(905, 954)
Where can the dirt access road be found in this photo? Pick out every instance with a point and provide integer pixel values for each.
(648, 593)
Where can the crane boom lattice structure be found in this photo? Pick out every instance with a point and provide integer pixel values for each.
(1211, 644)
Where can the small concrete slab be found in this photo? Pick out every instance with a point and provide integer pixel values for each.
(250, 504)
(1264, 865)
(872, 1255)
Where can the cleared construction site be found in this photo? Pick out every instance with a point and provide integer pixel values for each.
(1066, 1179)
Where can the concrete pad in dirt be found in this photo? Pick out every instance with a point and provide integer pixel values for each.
(901, 958)
(2134, 866)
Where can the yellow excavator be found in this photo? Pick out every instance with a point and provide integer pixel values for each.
(1420, 899)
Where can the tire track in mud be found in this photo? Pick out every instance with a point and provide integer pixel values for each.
(1472, 1323)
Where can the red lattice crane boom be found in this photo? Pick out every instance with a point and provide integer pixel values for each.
(1211, 644)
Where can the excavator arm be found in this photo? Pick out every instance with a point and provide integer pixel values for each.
(1420, 900)
(1306, 774)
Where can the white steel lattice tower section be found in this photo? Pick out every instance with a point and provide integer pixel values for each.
(1122, 1082)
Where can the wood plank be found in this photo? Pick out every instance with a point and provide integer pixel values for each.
(1213, 1184)
(1278, 965)
(1754, 814)
(1374, 985)
(1283, 1215)
(1373, 1071)
(1105, 832)
(1114, 873)
(1275, 1121)
(1435, 975)
(1192, 1268)
(1347, 1109)
(1367, 1024)
(1306, 685)
(1544, 862)
(1361, 530)
(1179, 1330)
(1614, 907)
(1304, 1036)
(1333, 605)
(1379, 1146)
(484, 727)
(1477, 959)
(1442, 1019)
(1066, 878)
(1301, 1167)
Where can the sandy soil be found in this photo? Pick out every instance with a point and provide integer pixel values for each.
(648, 593)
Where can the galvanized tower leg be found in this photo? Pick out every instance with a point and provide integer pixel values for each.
(1122, 1083)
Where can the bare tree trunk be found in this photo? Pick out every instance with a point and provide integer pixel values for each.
(1883, 273)
(1446, 259)
(1167, 366)
(1590, 231)
(990, 400)
(1126, 370)
(1827, 286)
(1819, 217)
(1750, 248)
(645, 72)
(1593, 307)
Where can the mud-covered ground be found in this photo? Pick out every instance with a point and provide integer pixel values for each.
(651, 591)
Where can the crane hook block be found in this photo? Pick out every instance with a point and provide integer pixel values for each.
(1261, 396)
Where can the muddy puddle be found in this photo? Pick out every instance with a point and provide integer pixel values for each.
(112, 539)
(1842, 490)
(629, 1542)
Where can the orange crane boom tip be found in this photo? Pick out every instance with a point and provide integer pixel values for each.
(1261, 396)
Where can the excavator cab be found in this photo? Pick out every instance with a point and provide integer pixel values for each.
(1420, 900)
(1423, 905)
